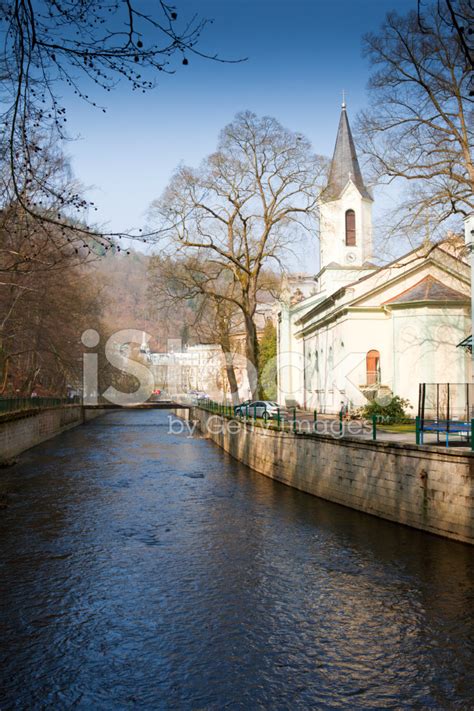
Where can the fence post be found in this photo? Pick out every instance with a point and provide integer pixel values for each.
(294, 420)
(374, 427)
(472, 435)
(265, 416)
(254, 412)
(340, 423)
(315, 420)
(278, 418)
(417, 430)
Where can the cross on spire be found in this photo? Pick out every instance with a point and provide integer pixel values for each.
(343, 98)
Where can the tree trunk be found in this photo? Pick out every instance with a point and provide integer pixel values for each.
(251, 353)
(232, 379)
(230, 370)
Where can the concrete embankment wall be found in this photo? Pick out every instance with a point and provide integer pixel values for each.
(424, 487)
(20, 431)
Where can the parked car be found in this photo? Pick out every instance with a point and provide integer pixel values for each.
(240, 408)
(258, 408)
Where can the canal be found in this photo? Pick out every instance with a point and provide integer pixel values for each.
(142, 569)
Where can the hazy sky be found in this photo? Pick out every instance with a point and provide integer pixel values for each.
(301, 54)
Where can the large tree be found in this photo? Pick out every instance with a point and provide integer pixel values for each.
(419, 127)
(201, 298)
(241, 211)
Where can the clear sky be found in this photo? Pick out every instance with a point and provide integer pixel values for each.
(301, 54)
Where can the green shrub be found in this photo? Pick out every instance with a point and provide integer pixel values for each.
(393, 412)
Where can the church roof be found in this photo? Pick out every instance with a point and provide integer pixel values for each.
(428, 289)
(344, 164)
(412, 260)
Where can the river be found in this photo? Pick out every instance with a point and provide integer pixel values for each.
(148, 570)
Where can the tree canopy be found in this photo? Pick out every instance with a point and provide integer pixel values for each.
(419, 126)
(241, 212)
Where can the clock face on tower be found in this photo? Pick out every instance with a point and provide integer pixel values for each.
(350, 257)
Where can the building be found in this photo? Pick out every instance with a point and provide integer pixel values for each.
(197, 368)
(358, 331)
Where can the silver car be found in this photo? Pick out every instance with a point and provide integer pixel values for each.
(258, 408)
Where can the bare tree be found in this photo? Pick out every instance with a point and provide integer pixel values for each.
(203, 298)
(43, 313)
(85, 46)
(241, 211)
(460, 17)
(419, 126)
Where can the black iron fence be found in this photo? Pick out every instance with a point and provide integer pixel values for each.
(19, 404)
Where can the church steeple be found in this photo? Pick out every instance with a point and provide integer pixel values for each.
(345, 208)
(344, 164)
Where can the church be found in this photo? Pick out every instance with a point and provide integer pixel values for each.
(357, 331)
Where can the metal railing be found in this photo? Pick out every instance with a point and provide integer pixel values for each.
(282, 420)
(285, 419)
(20, 404)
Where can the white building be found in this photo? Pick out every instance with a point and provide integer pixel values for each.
(200, 367)
(358, 331)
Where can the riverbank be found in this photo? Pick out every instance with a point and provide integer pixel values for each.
(22, 430)
(424, 487)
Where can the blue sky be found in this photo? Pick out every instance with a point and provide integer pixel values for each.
(301, 54)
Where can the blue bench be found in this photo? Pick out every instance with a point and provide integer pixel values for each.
(445, 427)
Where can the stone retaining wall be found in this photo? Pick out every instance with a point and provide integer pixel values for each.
(424, 487)
(22, 430)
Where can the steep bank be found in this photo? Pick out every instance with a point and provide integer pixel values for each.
(424, 487)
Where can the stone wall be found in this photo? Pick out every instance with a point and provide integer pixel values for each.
(424, 487)
(20, 431)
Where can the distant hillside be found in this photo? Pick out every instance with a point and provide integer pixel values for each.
(126, 299)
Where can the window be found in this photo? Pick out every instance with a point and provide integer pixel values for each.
(373, 367)
(350, 228)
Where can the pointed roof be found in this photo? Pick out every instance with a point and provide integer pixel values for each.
(428, 289)
(344, 164)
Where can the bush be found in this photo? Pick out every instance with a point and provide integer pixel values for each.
(391, 413)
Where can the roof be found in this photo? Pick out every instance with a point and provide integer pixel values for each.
(420, 255)
(344, 164)
(428, 289)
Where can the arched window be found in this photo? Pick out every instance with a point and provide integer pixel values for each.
(350, 228)
(373, 367)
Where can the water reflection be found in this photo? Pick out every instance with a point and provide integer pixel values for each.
(147, 570)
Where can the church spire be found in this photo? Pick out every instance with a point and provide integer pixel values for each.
(344, 164)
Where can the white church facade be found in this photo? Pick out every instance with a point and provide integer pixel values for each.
(358, 331)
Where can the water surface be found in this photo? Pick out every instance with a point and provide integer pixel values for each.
(140, 569)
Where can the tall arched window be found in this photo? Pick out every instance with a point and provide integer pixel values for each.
(350, 228)
(373, 367)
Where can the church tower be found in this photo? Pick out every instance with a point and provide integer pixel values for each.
(345, 213)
